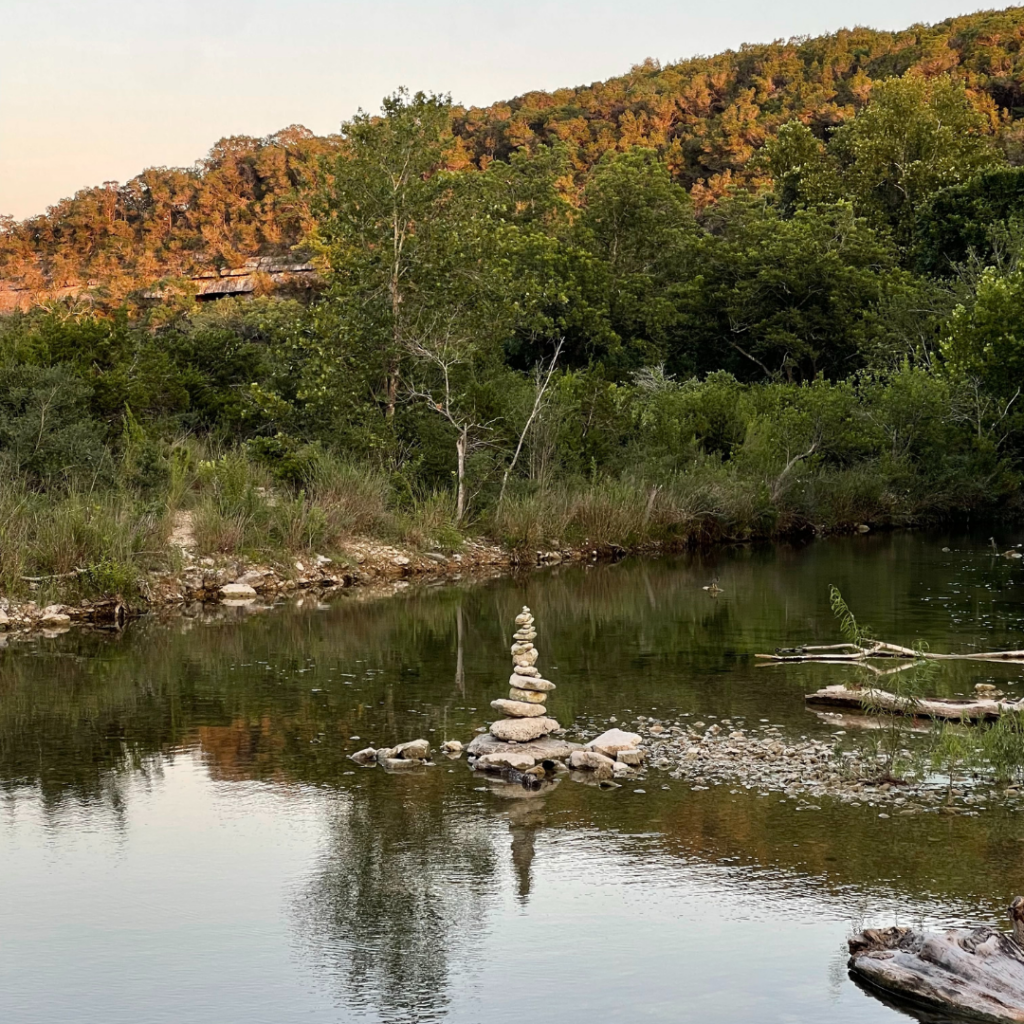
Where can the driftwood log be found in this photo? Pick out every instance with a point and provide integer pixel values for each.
(879, 649)
(978, 709)
(976, 973)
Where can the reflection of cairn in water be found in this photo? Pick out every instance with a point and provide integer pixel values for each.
(524, 827)
(525, 707)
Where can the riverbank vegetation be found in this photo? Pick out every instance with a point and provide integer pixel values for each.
(564, 343)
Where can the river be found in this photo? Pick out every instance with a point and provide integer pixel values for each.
(183, 837)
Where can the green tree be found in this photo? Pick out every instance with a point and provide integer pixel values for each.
(375, 226)
(916, 136)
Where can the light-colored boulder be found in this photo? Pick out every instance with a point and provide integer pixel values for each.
(631, 756)
(527, 696)
(526, 658)
(508, 759)
(451, 747)
(55, 620)
(589, 760)
(518, 708)
(531, 683)
(522, 730)
(365, 756)
(237, 591)
(548, 748)
(526, 670)
(414, 750)
(614, 740)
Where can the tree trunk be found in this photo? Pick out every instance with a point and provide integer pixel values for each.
(460, 447)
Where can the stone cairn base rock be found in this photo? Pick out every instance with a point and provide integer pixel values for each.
(520, 745)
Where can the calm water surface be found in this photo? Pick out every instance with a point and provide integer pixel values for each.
(182, 836)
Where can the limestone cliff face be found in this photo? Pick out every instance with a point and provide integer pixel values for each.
(262, 275)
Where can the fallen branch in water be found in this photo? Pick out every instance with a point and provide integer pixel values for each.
(878, 649)
(981, 709)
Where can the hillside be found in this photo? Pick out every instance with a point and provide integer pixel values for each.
(707, 117)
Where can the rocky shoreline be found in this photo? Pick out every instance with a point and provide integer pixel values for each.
(729, 752)
(376, 568)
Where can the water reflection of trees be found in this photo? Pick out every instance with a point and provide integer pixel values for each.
(264, 697)
(392, 911)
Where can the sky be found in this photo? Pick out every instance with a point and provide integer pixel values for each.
(99, 90)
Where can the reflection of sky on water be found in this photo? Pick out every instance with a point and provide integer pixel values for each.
(210, 901)
(182, 837)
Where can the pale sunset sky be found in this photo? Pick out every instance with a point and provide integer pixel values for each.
(97, 91)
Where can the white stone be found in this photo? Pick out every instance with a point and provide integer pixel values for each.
(517, 708)
(630, 756)
(522, 730)
(237, 590)
(614, 740)
(526, 670)
(526, 658)
(55, 619)
(522, 648)
(365, 756)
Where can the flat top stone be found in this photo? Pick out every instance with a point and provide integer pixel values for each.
(549, 748)
(522, 730)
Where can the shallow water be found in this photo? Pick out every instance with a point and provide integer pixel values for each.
(183, 838)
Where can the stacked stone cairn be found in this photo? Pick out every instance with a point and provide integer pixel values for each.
(525, 709)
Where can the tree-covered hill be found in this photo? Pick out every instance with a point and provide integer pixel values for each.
(707, 118)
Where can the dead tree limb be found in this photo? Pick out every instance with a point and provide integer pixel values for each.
(979, 709)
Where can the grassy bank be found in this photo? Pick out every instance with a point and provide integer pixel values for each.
(75, 542)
